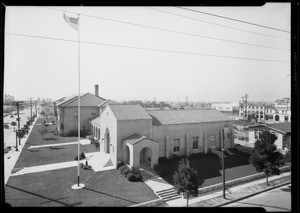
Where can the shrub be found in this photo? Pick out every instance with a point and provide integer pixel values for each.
(195, 155)
(97, 144)
(244, 149)
(74, 133)
(81, 156)
(130, 176)
(162, 160)
(125, 171)
(119, 164)
(122, 168)
(13, 123)
(134, 174)
(174, 157)
(161, 169)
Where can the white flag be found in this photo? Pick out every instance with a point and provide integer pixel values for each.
(73, 22)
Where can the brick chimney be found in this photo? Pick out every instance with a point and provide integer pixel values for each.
(97, 90)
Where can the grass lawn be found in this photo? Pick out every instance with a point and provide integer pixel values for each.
(35, 137)
(49, 155)
(210, 170)
(53, 188)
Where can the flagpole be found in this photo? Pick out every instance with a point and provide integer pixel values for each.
(78, 174)
(78, 185)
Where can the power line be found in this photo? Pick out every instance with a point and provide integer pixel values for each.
(259, 25)
(146, 48)
(275, 87)
(174, 31)
(218, 24)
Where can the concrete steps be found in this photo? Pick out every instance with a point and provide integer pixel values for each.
(146, 174)
(168, 194)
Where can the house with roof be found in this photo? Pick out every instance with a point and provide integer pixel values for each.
(281, 130)
(136, 136)
(67, 110)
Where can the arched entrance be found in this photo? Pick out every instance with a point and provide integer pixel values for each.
(276, 117)
(145, 157)
(107, 141)
(127, 155)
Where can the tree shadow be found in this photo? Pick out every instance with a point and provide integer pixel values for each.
(56, 148)
(262, 205)
(41, 196)
(50, 139)
(288, 189)
(109, 195)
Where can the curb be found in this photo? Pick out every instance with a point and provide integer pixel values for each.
(239, 181)
(253, 194)
(151, 203)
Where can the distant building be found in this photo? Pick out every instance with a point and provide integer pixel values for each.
(48, 100)
(267, 114)
(281, 130)
(225, 106)
(8, 99)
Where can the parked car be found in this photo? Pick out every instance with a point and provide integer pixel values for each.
(12, 116)
(6, 126)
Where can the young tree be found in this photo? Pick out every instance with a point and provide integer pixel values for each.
(43, 130)
(186, 180)
(266, 158)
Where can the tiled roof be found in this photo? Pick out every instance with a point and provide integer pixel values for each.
(107, 102)
(129, 112)
(165, 117)
(86, 99)
(282, 127)
(95, 120)
(69, 98)
(135, 138)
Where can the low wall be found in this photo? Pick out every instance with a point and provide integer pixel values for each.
(149, 203)
(239, 181)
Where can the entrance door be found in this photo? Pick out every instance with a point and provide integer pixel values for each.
(107, 143)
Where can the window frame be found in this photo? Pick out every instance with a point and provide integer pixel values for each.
(195, 143)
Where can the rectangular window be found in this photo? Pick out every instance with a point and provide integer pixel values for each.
(176, 145)
(228, 135)
(195, 142)
(75, 116)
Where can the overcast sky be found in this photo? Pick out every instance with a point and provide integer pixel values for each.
(48, 68)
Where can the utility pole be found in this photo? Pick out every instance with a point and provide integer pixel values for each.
(186, 102)
(245, 112)
(30, 110)
(223, 163)
(18, 130)
(36, 108)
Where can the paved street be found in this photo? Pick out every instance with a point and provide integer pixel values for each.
(9, 134)
(278, 199)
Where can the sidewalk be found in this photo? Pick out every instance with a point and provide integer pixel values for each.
(216, 199)
(11, 158)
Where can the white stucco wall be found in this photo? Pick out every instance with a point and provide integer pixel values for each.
(166, 134)
(129, 127)
(85, 114)
(109, 121)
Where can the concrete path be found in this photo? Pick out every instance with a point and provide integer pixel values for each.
(11, 158)
(182, 202)
(82, 142)
(95, 159)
